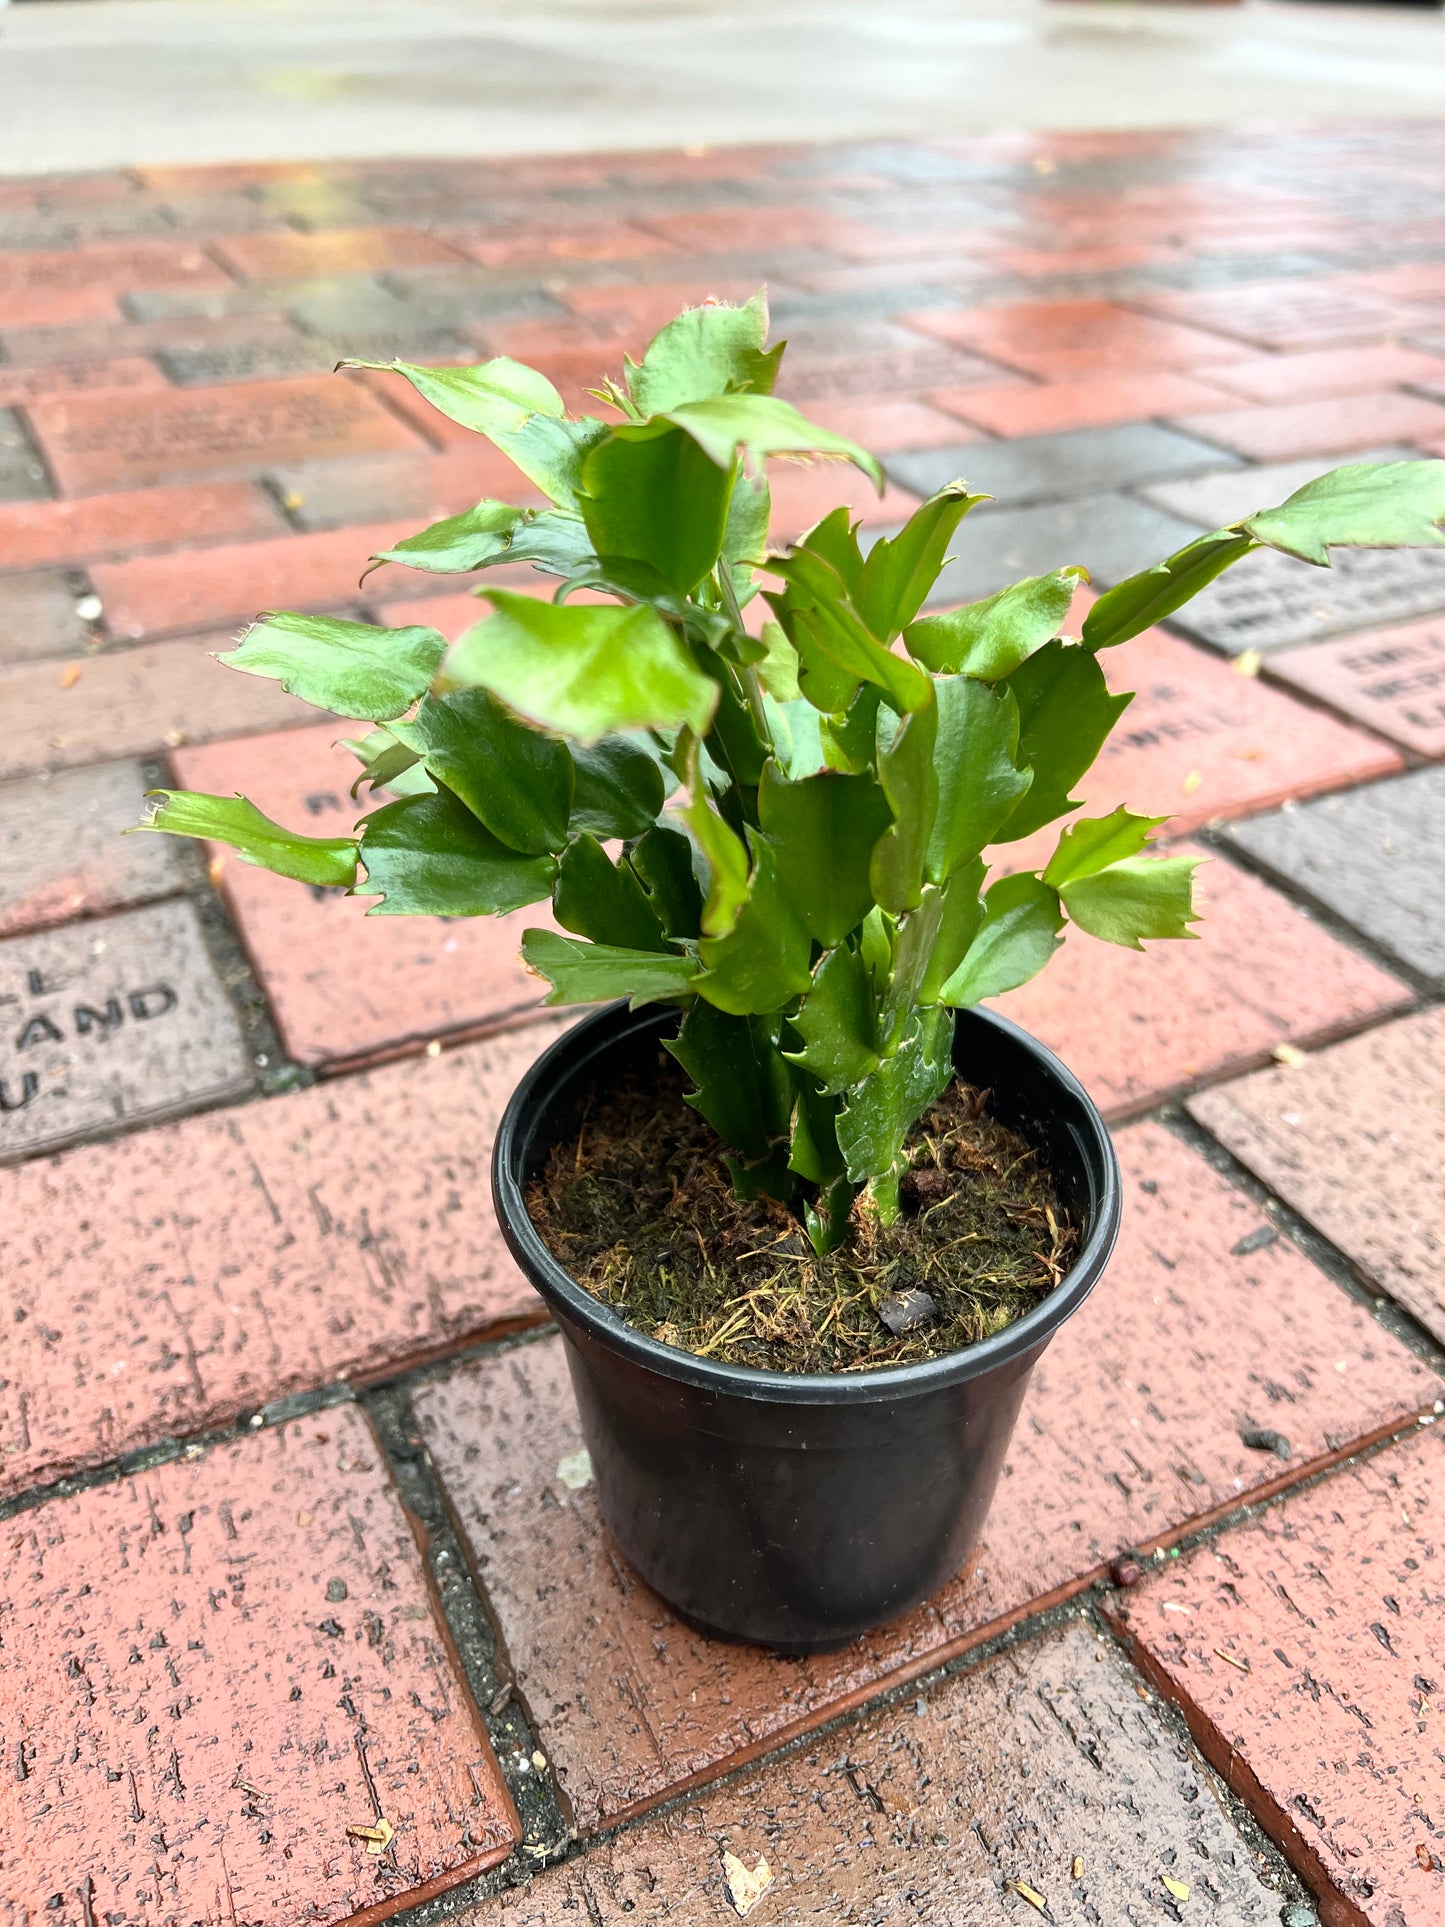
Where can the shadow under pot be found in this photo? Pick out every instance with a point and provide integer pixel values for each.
(799, 1510)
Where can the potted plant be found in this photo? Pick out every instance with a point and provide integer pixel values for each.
(800, 1314)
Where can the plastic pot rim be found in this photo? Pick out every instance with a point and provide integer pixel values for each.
(572, 1053)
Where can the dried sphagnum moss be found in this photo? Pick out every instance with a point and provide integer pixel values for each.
(639, 1208)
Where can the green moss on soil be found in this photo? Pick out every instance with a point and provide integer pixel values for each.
(639, 1208)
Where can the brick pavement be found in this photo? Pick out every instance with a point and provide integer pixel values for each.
(289, 1550)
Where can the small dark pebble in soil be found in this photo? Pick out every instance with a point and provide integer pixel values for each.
(1254, 1241)
(1259, 1440)
(904, 1311)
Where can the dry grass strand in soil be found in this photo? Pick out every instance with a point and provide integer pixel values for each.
(639, 1208)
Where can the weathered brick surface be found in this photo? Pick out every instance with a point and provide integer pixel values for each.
(383, 488)
(127, 265)
(33, 534)
(1205, 1327)
(1067, 340)
(37, 617)
(206, 588)
(289, 256)
(21, 385)
(1391, 679)
(94, 443)
(331, 1233)
(110, 1024)
(1298, 314)
(1229, 494)
(1327, 371)
(22, 473)
(1019, 410)
(1270, 601)
(939, 1810)
(211, 1672)
(1112, 535)
(1338, 424)
(1355, 1141)
(1305, 1650)
(1374, 856)
(63, 853)
(344, 985)
(1135, 1026)
(1046, 468)
(135, 702)
(58, 307)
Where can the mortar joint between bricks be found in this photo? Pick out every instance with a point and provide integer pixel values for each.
(1324, 1255)
(546, 1832)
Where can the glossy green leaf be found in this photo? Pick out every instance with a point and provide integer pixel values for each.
(1065, 716)
(979, 781)
(584, 670)
(515, 780)
(467, 541)
(1134, 605)
(882, 1109)
(850, 741)
(836, 651)
(989, 639)
(823, 830)
(352, 668)
(763, 961)
(959, 921)
(762, 425)
(815, 1153)
(778, 670)
(833, 540)
(742, 1086)
(1094, 842)
(618, 789)
(1017, 936)
(909, 775)
(651, 496)
(745, 537)
(727, 860)
(328, 860)
(603, 900)
(661, 860)
(1135, 898)
(1366, 505)
(901, 569)
(795, 728)
(913, 945)
(705, 352)
(383, 759)
(429, 856)
(595, 973)
(836, 1025)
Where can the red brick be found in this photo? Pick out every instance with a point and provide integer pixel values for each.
(334, 1233)
(365, 488)
(1355, 1141)
(1305, 1651)
(133, 702)
(1100, 257)
(635, 311)
(1392, 680)
(1289, 314)
(994, 1777)
(747, 229)
(1339, 424)
(110, 338)
(215, 176)
(1328, 371)
(56, 307)
(93, 444)
(206, 588)
(605, 241)
(804, 492)
(1064, 340)
(287, 256)
(343, 985)
(63, 853)
(20, 385)
(1130, 1430)
(887, 426)
(215, 1669)
(101, 526)
(1021, 410)
(119, 266)
(1136, 1027)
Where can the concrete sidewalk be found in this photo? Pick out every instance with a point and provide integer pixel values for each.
(113, 83)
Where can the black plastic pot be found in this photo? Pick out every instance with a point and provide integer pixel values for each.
(798, 1510)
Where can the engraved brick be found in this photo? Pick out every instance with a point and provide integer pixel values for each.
(1067, 340)
(217, 1670)
(95, 444)
(111, 1024)
(1393, 680)
(1271, 601)
(288, 256)
(169, 1281)
(127, 265)
(1043, 468)
(1307, 312)
(63, 852)
(20, 385)
(344, 985)
(1112, 535)
(1120, 1443)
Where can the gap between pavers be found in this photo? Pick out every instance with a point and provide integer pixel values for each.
(170, 1281)
(1208, 1324)
(1049, 1769)
(1304, 1649)
(215, 1672)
